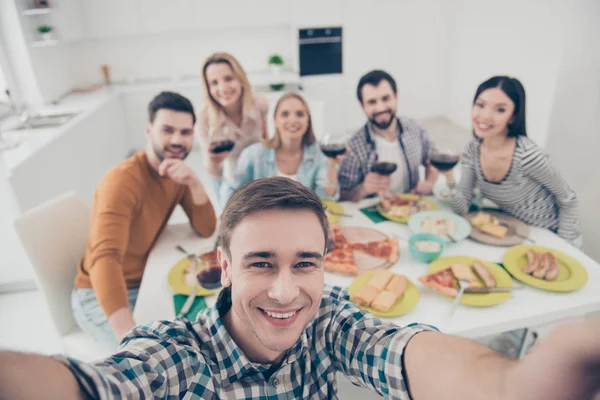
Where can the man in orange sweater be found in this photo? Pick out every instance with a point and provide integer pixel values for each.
(132, 205)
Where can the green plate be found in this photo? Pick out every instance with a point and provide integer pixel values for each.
(404, 219)
(571, 276)
(406, 303)
(502, 278)
(463, 227)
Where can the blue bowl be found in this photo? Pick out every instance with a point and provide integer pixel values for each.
(425, 256)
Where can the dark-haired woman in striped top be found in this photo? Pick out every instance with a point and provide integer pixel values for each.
(509, 168)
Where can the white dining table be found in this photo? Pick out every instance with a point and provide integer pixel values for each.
(526, 307)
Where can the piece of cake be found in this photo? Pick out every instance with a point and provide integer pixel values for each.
(365, 296)
(384, 301)
(380, 279)
(495, 230)
(398, 285)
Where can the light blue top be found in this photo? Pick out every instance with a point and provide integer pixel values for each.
(257, 161)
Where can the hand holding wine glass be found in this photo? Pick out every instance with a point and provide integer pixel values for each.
(444, 160)
(379, 179)
(334, 146)
(220, 144)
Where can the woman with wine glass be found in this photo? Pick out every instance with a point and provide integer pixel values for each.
(509, 168)
(232, 117)
(293, 152)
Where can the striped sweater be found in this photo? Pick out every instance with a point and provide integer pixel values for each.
(533, 190)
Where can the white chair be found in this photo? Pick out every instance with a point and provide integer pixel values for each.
(54, 236)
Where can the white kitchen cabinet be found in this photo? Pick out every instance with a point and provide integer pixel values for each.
(316, 13)
(69, 19)
(160, 16)
(110, 18)
(75, 160)
(236, 14)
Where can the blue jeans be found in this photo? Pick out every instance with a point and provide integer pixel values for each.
(91, 318)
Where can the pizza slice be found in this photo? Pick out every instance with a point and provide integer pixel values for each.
(341, 260)
(441, 281)
(210, 258)
(339, 239)
(386, 249)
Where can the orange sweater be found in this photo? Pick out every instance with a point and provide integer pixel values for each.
(132, 205)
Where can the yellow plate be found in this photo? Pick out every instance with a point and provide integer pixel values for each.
(502, 278)
(408, 301)
(571, 276)
(176, 279)
(404, 220)
(336, 208)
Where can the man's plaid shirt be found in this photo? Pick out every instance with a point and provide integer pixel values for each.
(193, 360)
(358, 162)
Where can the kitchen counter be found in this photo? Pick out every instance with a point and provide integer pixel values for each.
(83, 104)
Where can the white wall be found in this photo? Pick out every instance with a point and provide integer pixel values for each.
(149, 40)
(574, 122)
(405, 38)
(524, 39)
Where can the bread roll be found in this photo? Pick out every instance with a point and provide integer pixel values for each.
(398, 285)
(365, 296)
(380, 279)
(384, 301)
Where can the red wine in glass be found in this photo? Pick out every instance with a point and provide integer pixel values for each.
(210, 278)
(384, 168)
(221, 145)
(444, 161)
(332, 150)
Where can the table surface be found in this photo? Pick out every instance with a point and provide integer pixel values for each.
(524, 308)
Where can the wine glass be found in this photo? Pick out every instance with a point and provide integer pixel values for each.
(333, 145)
(444, 159)
(384, 168)
(221, 141)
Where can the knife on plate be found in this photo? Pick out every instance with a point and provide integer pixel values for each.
(492, 290)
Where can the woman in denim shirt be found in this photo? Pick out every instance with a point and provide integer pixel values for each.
(293, 153)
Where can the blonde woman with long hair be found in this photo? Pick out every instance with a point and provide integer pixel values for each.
(232, 115)
(293, 152)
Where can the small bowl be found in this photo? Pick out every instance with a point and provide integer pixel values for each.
(425, 256)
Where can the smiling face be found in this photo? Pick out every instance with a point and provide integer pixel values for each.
(276, 277)
(171, 134)
(291, 118)
(492, 112)
(223, 85)
(379, 103)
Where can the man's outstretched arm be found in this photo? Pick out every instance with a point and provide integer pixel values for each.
(32, 376)
(566, 365)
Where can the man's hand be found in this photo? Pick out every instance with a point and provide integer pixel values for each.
(566, 365)
(177, 171)
(424, 188)
(375, 183)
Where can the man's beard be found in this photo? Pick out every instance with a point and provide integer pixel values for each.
(160, 153)
(384, 125)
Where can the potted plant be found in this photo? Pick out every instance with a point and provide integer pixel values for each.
(45, 31)
(275, 64)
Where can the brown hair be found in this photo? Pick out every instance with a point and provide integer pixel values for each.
(213, 106)
(267, 194)
(309, 136)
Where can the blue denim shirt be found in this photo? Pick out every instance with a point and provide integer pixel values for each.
(257, 161)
